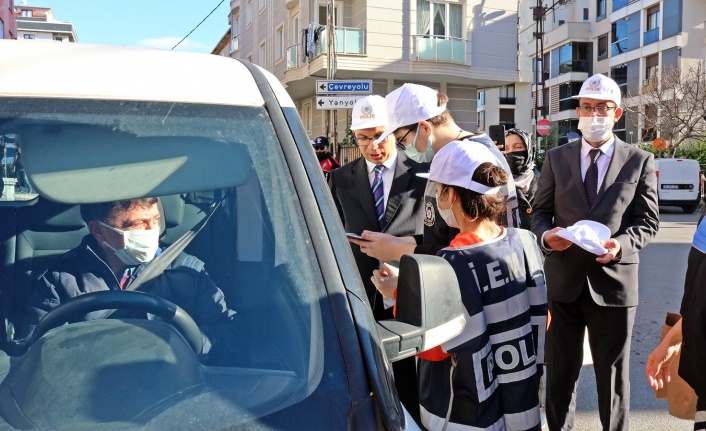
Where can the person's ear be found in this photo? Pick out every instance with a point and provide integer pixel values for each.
(96, 229)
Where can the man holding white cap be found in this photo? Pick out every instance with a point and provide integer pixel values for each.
(380, 192)
(419, 120)
(602, 179)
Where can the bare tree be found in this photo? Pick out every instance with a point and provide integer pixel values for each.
(672, 103)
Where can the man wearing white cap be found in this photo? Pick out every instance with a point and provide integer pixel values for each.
(600, 179)
(419, 120)
(380, 192)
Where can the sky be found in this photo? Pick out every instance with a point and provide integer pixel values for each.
(155, 23)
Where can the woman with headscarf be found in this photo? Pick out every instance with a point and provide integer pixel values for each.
(519, 154)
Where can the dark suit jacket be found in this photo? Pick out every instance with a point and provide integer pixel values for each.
(626, 203)
(404, 214)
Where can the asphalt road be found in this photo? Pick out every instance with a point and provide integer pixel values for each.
(662, 271)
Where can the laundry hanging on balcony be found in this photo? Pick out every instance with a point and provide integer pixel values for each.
(309, 38)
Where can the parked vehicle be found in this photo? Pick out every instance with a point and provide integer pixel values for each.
(678, 183)
(212, 137)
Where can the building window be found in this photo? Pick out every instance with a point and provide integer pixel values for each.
(602, 47)
(248, 12)
(566, 93)
(507, 118)
(234, 33)
(651, 66)
(585, 14)
(619, 31)
(27, 12)
(306, 116)
(481, 121)
(439, 19)
(572, 57)
(619, 4)
(296, 37)
(279, 42)
(2, 29)
(336, 14)
(507, 95)
(58, 38)
(652, 26)
(481, 99)
(600, 10)
(28, 36)
(262, 55)
(619, 74)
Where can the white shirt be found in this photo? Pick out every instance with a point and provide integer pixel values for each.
(603, 160)
(388, 174)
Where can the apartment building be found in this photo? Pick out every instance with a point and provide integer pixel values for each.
(629, 40)
(454, 46)
(8, 27)
(40, 23)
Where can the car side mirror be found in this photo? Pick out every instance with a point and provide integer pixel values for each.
(429, 307)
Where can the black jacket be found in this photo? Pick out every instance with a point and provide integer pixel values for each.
(184, 282)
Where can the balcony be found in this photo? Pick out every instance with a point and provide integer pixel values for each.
(348, 41)
(619, 46)
(506, 100)
(440, 48)
(234, 44)
(574, 66)
(650, 36)
(293, 57)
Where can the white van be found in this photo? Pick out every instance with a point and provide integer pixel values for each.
(678, 183)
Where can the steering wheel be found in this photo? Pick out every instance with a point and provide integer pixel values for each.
(79, 306)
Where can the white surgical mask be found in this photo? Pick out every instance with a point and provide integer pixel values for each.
(140, 245)
(595, 129)
(414, 154)
(448, 215)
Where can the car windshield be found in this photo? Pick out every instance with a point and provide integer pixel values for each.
(225, 162)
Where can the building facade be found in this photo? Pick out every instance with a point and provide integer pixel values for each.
(455, 47)
(40, 23)
(631, 41)
(8, 27)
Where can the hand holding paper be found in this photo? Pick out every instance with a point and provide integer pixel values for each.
(588, 235)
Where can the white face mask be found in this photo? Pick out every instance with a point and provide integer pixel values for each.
(595, 129)
(140, 245)
(448, 215)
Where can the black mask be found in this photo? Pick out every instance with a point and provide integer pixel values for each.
(323, 155)
(517, 161)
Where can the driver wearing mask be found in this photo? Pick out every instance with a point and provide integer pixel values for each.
(123, 240)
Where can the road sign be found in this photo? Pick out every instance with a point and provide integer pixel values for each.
(659, 144)
(336, 102)
(361, 86)
(544, 127)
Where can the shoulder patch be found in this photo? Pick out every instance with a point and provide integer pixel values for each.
(429, 214)
(188, 261)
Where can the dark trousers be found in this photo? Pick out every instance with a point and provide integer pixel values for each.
(609, 331)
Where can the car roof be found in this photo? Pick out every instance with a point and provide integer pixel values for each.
(84, 71)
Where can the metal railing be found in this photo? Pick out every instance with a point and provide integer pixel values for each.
(440, 48)
(293, 57)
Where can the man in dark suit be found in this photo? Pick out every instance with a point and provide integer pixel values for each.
(603, 179)
(381, 192)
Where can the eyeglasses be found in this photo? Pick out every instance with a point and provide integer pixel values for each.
(401, 140)
(600, 110)
(364, 141)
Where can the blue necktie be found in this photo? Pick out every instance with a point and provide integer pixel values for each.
(590, 181)
(379, 195)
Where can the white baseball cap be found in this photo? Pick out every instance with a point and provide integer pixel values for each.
(369, 112)
(600, 87)
(455, 164)
(410, 104)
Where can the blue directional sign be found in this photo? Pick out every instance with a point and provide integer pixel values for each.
(364, 86)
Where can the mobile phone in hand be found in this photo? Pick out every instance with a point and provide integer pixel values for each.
(497, 134)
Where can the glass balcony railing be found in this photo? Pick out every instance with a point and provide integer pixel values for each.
(574, 66)
(620, 46)
(650, 36)
(506, 100)
(348, 41)
(293, 57)
(440, 48)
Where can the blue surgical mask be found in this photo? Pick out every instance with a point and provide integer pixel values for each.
(415, 155)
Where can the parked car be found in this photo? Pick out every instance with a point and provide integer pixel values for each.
(678, 183)
(220, 142)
